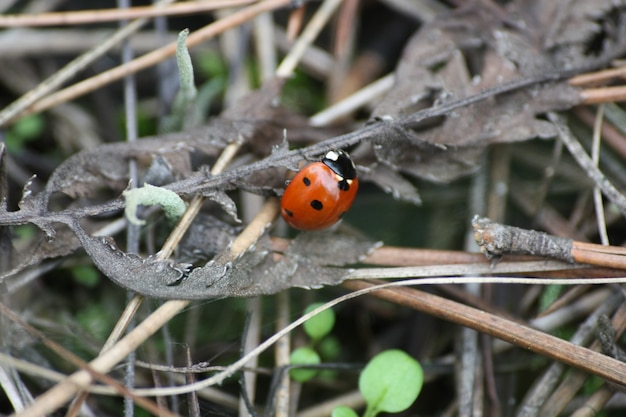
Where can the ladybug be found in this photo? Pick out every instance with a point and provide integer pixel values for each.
(320, 193)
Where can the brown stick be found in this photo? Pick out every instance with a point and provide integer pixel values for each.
(507, 330)
(497, 239)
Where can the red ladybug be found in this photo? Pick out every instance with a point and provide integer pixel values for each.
(320, 193)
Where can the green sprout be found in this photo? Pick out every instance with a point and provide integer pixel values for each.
(390, 382)
(303, 356)
(317, 328)
(149, 195)
(319, 325)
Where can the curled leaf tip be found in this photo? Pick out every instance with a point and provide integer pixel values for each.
(149, 195)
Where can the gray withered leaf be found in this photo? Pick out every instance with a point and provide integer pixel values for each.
(28, 202)
(142, 275)
(206, 237)
(322, 258)
(106, 166)
(308, 275)
(467, 51)
(224, 201)
(330, 247)
(270, 181)
(567, 24)
(161, 172)
(168, 279)
(391, 182)
(312, 260)
(42, 248)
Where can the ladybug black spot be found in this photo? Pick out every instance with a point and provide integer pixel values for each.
(288, 212)
(317, 205)
(306, 181)
(343, 185)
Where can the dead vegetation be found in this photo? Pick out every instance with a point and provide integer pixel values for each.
(506, 111)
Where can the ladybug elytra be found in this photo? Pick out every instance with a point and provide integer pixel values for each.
(321, 192)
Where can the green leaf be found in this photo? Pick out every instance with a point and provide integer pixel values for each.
(390, 382)
(23, 131)
(212, 65)
(319, 325)
(343, 411)
(86, 275)
(329, 348)
(29, 127)
(303, 356)
(550, 294)
(328, 375)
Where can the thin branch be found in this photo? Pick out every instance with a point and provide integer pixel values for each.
(34, 96)
(597, 194)
(80, 17)
(143, 61)
(86, 368)
(458, 313)
(586, 163)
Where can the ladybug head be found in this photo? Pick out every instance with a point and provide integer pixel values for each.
(341, 163)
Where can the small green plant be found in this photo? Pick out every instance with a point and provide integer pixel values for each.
(303, 356)
(86, 275)
(191, 105)
(390, 382)
(182, 111)
(550, 294)
(319, 325)
(23, 131)
(343, 411)
(317, 328)
(173, 206)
